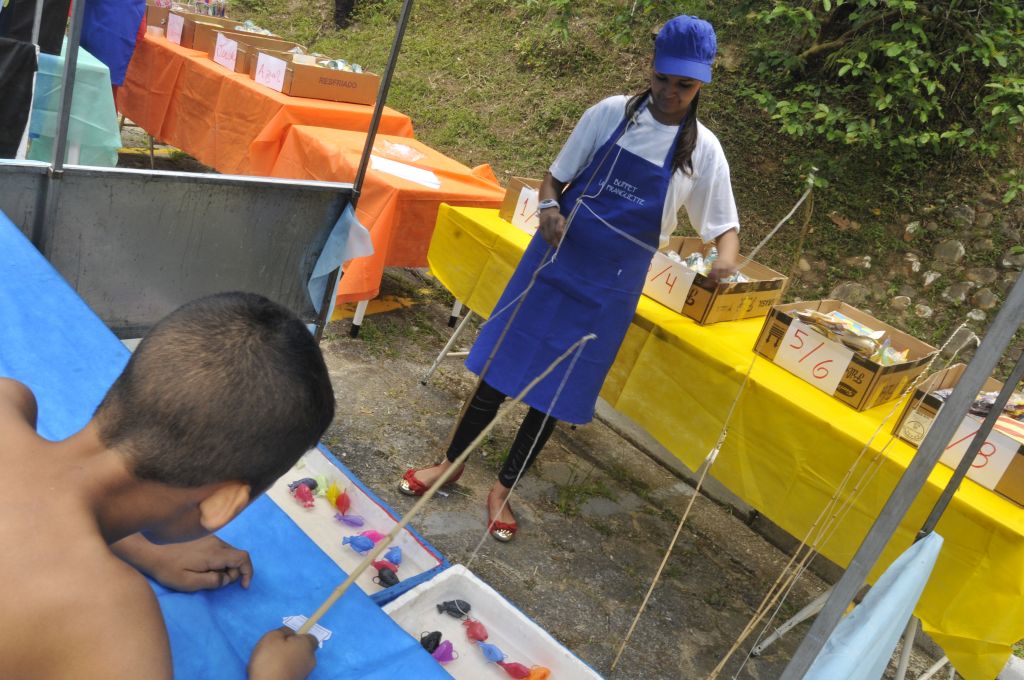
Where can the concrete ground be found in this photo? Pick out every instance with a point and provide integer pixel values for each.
(596, 513)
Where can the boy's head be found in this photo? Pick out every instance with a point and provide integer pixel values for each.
(228, 388)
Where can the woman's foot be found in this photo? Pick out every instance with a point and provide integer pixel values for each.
(501, 523)
(416, 482)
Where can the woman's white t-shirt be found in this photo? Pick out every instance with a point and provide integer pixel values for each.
(707, 193)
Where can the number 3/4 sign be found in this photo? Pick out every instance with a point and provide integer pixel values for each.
(813, 357)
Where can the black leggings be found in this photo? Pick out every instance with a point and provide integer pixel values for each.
(530, 439)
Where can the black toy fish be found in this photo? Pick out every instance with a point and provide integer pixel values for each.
(430, 641)
(454, 608)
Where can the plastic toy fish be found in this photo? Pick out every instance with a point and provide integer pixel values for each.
(394, 554)
(491, 652)
(430, 641)
(308, 481)
(381, 564)
(514, 669)
(539, 673)
(361, 544)
(343, 502)
(475, 630)
(303, 494)
(387, 577)
(332, 492)
(321, 485)
(454, 608)
(373, 535)
(350, 520)
(445, 652)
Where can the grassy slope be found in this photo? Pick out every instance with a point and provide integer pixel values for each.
(491, 82)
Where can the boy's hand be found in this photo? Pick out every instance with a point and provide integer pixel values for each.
(282, 654)
(205, 564)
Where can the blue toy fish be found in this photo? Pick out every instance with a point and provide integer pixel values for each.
(394, 555)
(308, 481)
(491, 652)
(361, 544)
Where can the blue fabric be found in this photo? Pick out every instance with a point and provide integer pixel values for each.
(52, 341)
(591, 286)
(348, 240)
(109, 30)
(861, 645)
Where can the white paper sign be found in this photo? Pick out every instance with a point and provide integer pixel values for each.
(526, 216)
(810, 355)
(668, 282)
(321, 634)
(225, 52)
(175, 23)
(421, 176)
(270, 71)
(995, 455)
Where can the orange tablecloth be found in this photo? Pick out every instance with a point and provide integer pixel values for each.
(399, 212)
(225, 119)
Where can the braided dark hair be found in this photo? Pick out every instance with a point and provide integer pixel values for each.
(682, 158)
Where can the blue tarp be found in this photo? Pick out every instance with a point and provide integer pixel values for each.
(53, 342)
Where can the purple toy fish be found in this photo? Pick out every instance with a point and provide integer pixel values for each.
(445, 652)
(350, 520)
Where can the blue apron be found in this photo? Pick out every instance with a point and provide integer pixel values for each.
(592, 286)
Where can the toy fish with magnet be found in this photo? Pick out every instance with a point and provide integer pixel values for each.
(515, 669)
(361, 544)
(386, 578)
(454, 608)
(394, 554)
(491, 652)
(430, 641)
(539, 673)
(342, 502)
(308, 481)
(350, 520)
(445, 652)
(475, 630)
(373, 535)
(381, 564)
(303, 494)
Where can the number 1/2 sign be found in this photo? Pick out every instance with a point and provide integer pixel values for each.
(813, 357)
(525, 217)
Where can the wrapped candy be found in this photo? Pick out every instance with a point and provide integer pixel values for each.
(702, 265)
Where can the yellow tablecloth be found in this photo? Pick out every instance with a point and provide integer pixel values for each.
(788, 448)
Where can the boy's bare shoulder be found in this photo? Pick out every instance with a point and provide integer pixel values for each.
(17, 403)
(96, 618)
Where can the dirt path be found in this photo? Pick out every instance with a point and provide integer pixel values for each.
(595, 512)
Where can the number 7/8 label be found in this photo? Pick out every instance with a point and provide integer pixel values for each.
(810, 355)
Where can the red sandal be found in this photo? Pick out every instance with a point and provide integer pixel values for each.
(411, 486)
(501, 531)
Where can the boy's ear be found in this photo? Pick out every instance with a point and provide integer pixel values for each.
(223, 504)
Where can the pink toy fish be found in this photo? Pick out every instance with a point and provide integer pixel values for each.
(445, 652)
(303, 494)
(373, 535)
(475, 630)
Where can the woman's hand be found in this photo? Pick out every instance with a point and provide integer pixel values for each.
(552, 225)
(728, 245)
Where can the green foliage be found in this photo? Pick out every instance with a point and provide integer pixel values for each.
(898, 76)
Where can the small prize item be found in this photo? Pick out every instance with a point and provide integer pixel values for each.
(361, 544)
(337, 497)
(373, 535)
(394, 554)
(303, 492)
(386, 578)
(475, 630)
(491, 652)
(445, 652)
(454, 608)
(702, 265)
(515, 669)
(430, 641)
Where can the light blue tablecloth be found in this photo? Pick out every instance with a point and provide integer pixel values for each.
(93, 125)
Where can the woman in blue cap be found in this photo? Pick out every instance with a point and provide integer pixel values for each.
(607, 203)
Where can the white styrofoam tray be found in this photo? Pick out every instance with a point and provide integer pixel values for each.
(512, 631)
(323, 529)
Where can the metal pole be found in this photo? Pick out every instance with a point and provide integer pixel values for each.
(37, 21)
(60, 143)
(371, 134)
(999, 335)
(972, 451)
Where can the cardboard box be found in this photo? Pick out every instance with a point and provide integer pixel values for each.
(1000, 462)
(520, 204)
(188, 21)
(253, 57)
(156, 16)
(205, 40)
(685, 291)
(828, 365)
(316, 82)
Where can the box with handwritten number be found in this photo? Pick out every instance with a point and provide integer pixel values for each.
(857, 368)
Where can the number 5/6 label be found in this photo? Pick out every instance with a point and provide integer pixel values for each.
(813, 357)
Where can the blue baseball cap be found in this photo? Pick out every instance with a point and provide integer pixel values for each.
(685, 47)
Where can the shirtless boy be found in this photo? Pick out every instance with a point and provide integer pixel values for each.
(218, 401)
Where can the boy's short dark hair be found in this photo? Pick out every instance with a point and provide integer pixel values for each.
(230, 387)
